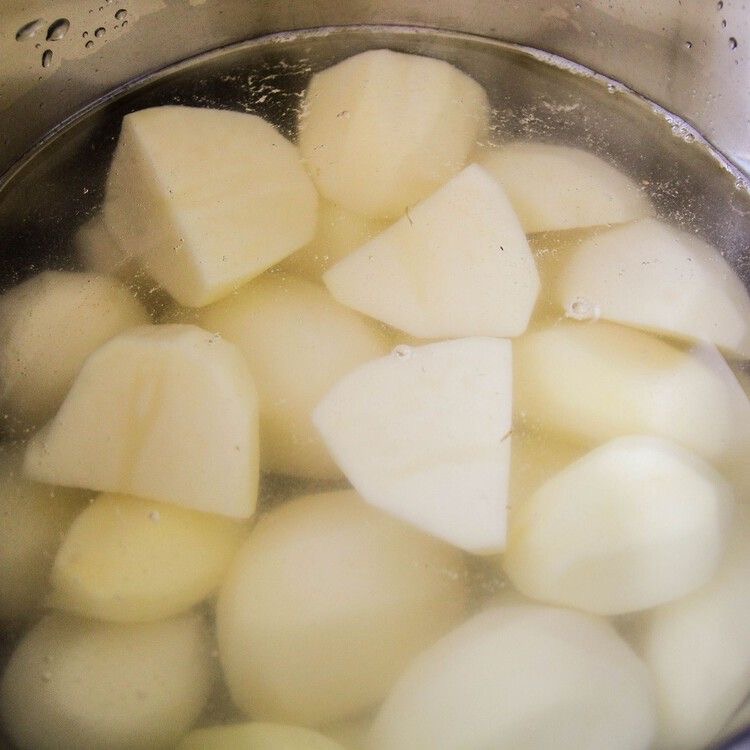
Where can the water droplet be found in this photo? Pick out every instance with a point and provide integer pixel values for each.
(89, 44)
(689, 44)
(582, 309)
(101, 31)
(46, 58)
(58, 29)
(121, 14)
(403, 351)
(29, 29)
(732, 43)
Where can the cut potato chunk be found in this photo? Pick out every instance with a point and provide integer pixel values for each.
(162, 412)
(596, 381)
(298, 342)
(635, 523)
(99, 252)
(208, 198)
(326, 603)
(256, 736)
(79, 685)
(49, 324)
(457, 265)
(559, 187)
(652, 276)
(521, 678)
(33, 520)
(339, 233)
(423, 434)
(130, 560)
(382, 130)
(698, 650)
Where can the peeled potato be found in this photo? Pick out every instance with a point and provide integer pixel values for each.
(207, 198)
(33, 520)
(596, 381)
(458, 264)
(521, 677)
(326, 603)
(423, 434)
(162, 412)
(382, 130)
(559, 187)
(125, 559)
(698, 650)
(652, 276)
(99, 252)
(49, 324)
(297, 342)
(636, 522)
(256, 736)
(339, 232)
(80, 685)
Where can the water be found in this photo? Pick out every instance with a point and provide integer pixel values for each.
(534, 96)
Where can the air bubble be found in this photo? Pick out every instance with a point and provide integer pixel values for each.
(121, 14)
(689, 44)
(732, 43)
(58, 29)
(89, 44)
(723, 23)
(100, 32)
(403, 351)
(582, 309)
(720, 5)
(29, 29)
(154, 516)
(611, 88)
(46, 58)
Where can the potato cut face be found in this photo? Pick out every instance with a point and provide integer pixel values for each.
(596, 381)
(257, 736)
(559, 187)
(74, 684)
(33, 520)
(423, 434)
(635, 523)
(49, 324)
(326, 603)
(382, 130)
(208, 198)
(652, 276)
(99, 252)
(167, 413)
(521, 677)
(458, 264)
(298, 342)
(698, 650)
(125, 559)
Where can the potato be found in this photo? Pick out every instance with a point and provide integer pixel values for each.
(521, 677)
(458, 264)
(423, 434)
(698, 650)
(256, 736)
(162, 412)
(99, 252)
(49, 324)
(125, 559)
(353, 734)
(33, 520)
(382, 130)
(636, 522)
(207, 198)
(595, 381)
(79, 685)
(326, 603)
(650, 275)
(559, 187)
(339, 232)
(297, 342)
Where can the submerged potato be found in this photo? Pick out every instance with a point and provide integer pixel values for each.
(521, 677)
(49, 324)
(125, 559)
(457, 264)
(297, 342)
(636, 522)
(207, 198)
(326, 603)
(33, 521)
(650, 275)
(558, 187)
(382, 130)
(162, 412)
(80, 685)
(99, 252)
(256, 736)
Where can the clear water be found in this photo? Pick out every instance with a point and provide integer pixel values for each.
(534, 96)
